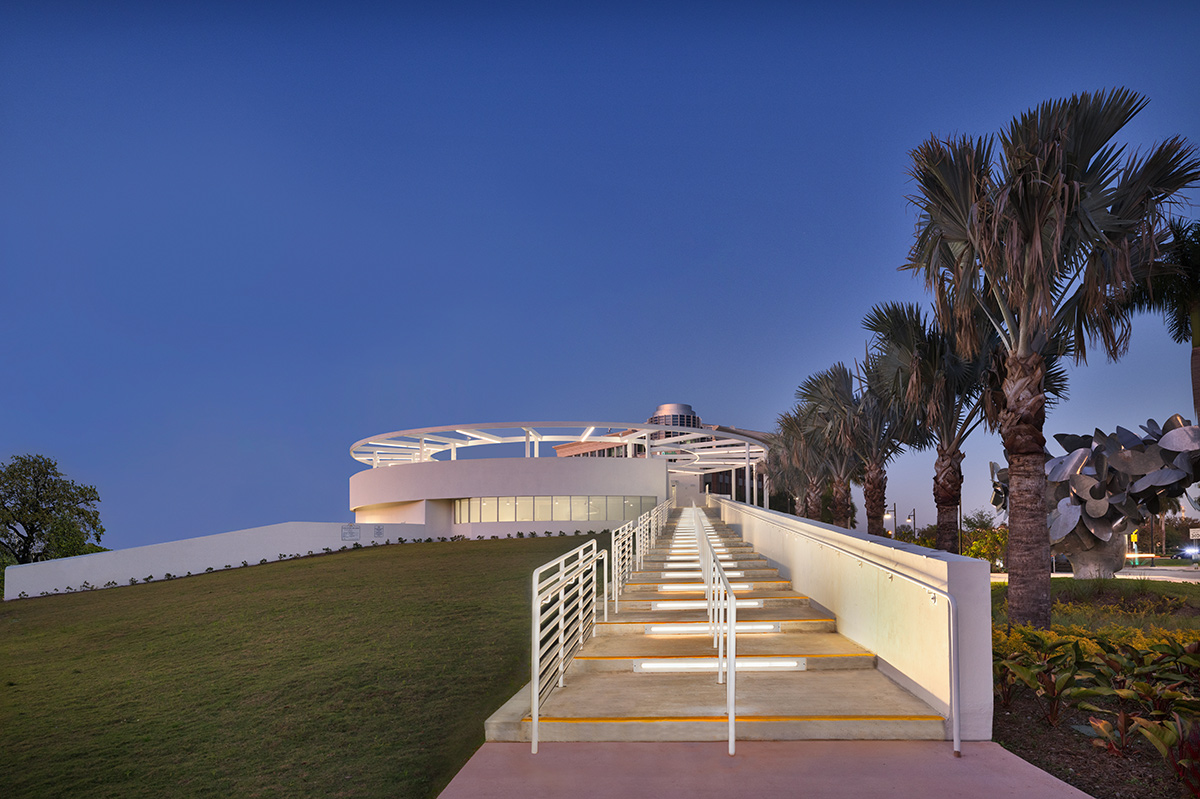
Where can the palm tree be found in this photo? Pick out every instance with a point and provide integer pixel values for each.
(856, 432)
(921, 365)
(805, 451)
(828, 414)
(1041, 240)
(886, 424)
(790, 465)
(1176, 293)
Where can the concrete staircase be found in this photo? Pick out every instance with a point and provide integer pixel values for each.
(649, 674)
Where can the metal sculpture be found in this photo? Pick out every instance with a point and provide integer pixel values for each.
(1104, 483)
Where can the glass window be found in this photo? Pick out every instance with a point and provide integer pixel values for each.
(597, 509)
(487, 509)
(648, 504)
(474, 509)
(541, 509)
(524, 509)
(579, 509)
(507, 510)
(633, 507)
(458, 511)
(615, 511)
(562, 509)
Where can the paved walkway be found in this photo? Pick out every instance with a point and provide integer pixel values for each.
(807, 769)
(1172, 574)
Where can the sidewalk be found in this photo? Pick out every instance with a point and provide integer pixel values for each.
(808, 769)
(1172, 574)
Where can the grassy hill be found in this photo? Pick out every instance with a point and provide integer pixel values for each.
(358, 674)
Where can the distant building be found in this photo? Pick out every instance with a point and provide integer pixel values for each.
(598, 480)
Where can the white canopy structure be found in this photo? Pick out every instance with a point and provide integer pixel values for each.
(687, 450)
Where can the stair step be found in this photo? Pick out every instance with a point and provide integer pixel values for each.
(660, 585)
(614, 706)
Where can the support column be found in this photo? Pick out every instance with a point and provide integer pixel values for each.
(748, 478)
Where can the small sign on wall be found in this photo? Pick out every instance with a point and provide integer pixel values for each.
(351, 532)
(379, 531)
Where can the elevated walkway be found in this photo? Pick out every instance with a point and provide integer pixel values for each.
(649, 674)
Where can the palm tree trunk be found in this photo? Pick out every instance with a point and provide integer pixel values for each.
(841, 503)
(1021, 422)
(875, 497)
(947, 495)
(812, 500)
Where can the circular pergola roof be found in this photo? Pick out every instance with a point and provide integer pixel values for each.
(688, 450)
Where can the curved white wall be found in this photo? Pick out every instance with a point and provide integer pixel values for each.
(420, 493)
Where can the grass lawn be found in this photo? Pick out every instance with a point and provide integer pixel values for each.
(1099, 604)
(358, 674)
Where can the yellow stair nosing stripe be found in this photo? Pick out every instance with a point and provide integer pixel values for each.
(754, 621)
(689, 657)
(739, 718)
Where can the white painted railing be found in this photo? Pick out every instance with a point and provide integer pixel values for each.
(793, 526)
(722, 616)
(564, 615)
(630, 543)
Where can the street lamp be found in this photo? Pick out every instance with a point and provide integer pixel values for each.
(912, 519)
(891, 514)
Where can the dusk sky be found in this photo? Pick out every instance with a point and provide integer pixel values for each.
(235, 238)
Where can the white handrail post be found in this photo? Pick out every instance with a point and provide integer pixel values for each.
(731, 680)
(536, 660)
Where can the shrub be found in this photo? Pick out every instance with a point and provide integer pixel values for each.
(133, 580)
(356, 545)
(261, 562)
(208, 570)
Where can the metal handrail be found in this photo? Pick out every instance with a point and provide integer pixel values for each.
(564, 613)
(955, 723)
(630, 543)
(722, 617)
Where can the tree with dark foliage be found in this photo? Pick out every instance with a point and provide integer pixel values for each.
(43, 515)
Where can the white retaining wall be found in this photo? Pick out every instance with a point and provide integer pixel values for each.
(891, 617)
(196, 555)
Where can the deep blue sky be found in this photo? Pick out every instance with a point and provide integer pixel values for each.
(237, 237)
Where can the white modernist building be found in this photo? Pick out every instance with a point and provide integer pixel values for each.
(559, 475)
(427, 483)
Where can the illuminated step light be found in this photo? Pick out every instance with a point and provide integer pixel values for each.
(771, 664)
(698, 573)
(710, 664)
(700, 587)
(679, 664)
(704, 628)
(700, 604)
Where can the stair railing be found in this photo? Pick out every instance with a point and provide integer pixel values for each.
(630, 544)
(722, 617)
(564, 615)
